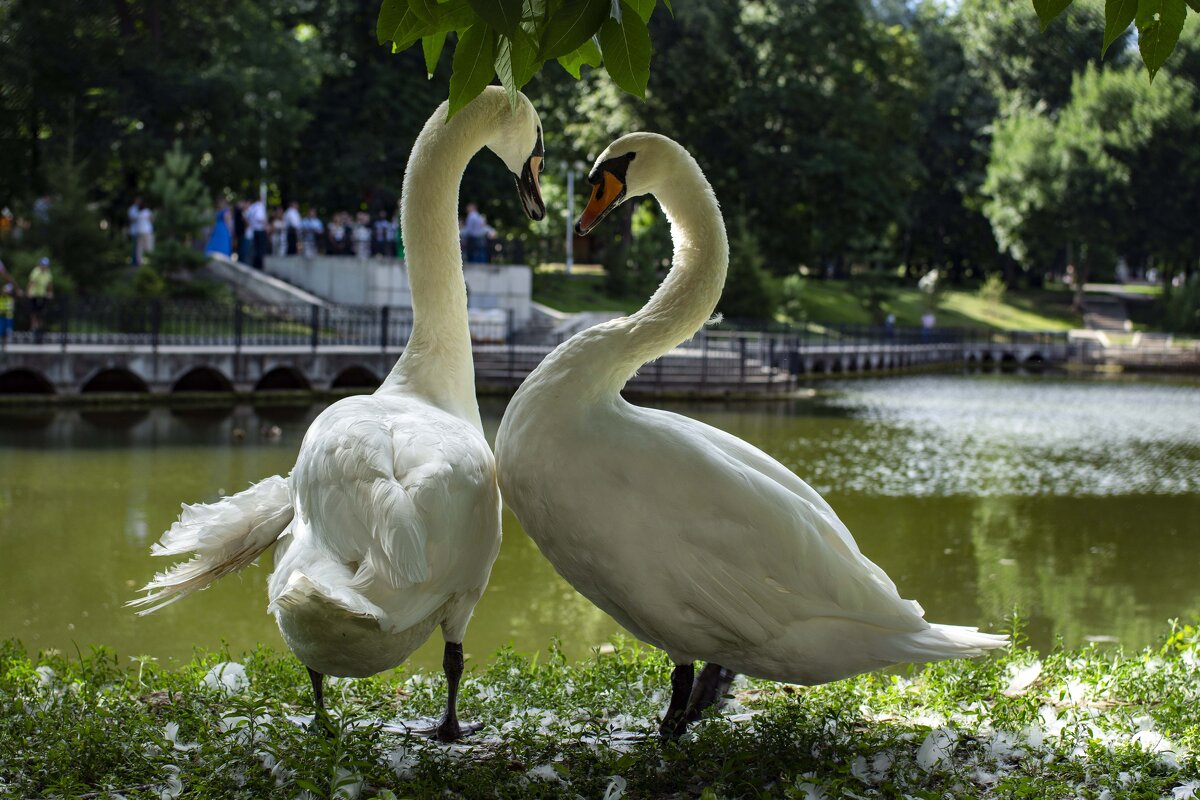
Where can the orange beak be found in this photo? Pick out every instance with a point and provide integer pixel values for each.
(604, 198)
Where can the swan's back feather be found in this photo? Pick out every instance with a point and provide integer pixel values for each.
(397, 503)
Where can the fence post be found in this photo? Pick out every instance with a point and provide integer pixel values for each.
(155, 323)
(315, 313)
(770, 361)
(237, 328)
(66, 320)
(741, 360)
(384, 311)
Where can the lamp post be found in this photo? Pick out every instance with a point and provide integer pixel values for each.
(572, 168)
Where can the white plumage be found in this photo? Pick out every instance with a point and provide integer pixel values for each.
(695, 541)
(389, 523)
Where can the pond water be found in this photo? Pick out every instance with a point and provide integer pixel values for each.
(1076, 501)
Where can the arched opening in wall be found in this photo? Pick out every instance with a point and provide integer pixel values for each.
(987, 358)
(114, 380)
(355, 377)
(202, 379)
(25, 381)
(972, 358)
(281, 378)
(818, 367)
(1008, 361)
(1035, 360)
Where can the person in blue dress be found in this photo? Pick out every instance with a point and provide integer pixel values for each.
(220, 240)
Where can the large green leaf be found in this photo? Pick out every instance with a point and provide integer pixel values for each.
(426, 10)
(587, 53)
(626, 49)
(502, 15)
(644, 8)
(474, 64)
(516, 62)
(1047, 10)
(432, 46)
(1159, 24)
(392, 15)
(1195, 4)
(1118, 16)
(577, 22)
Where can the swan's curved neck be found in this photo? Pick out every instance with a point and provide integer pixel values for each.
(607, 356)
(436, 362)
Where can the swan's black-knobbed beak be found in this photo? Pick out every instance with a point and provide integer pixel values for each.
(607, 193)
(528, 185)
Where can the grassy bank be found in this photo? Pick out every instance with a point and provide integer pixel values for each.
(835, 303)
(1090, 723)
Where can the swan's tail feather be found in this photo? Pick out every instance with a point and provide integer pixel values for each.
(225, 536)
(948, 641)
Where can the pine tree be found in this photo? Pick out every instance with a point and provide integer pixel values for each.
(182, 212)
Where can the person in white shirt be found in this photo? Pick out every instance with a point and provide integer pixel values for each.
(291, 219)
(256, 226)
(145, 232)
(311, 231)
(133, 225)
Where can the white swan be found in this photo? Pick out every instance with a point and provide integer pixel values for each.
(390, 520)
(695, 541)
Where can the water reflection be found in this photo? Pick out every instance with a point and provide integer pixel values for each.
(1074, 501)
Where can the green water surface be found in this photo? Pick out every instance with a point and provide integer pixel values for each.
(1076, 501)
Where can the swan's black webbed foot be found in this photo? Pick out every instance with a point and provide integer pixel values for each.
(674, 721)
(451, 730)
(710, 690)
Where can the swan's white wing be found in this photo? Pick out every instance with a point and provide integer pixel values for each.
(403, 497)
(745, 546)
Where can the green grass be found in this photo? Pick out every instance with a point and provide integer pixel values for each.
(1091, 723)
(573, 293)
(834, 303)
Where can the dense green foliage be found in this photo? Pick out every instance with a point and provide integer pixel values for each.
(1089, 723)
(843, 139)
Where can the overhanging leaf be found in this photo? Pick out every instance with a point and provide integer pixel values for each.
(587, 53)
(392, 15)
(577, 22)
(432, 45)
(426, 10)
(1118, 15)
(502, 15)
(625, 46)
(516, 63)
(473, 66)
(1047, 10)
(644, 8)
(1159, 24)
(1195, 4)
(450, 16)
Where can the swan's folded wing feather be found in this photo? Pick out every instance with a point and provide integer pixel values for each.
(378, 493)
(748, 527)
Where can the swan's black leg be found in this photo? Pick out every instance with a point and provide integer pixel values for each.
(675, 720)
(321, 721)
(710, 689)
(451, 729)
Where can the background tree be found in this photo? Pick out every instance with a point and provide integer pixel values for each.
(181, 203)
